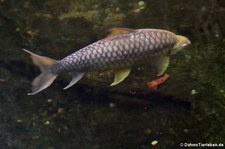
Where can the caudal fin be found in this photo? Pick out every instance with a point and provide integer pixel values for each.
(46, 77)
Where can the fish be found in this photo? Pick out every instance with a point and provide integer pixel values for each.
(121, 50)
(155, 83)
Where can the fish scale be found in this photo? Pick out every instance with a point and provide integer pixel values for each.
(121, 51)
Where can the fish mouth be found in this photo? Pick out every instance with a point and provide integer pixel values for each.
(188, 42)
(184, 45)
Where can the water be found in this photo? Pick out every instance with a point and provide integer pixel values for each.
(92, 115)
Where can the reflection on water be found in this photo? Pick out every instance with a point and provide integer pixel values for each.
(187, 108)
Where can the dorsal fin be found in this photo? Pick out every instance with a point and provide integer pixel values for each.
(118, 31)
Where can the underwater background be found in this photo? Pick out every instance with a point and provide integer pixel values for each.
(188, 108)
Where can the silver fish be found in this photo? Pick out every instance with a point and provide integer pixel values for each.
(119, 51)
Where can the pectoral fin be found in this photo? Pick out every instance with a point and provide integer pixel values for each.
(75, 79)
(120, 75)
(161, 64)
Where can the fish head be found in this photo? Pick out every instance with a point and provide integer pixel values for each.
(181, 42)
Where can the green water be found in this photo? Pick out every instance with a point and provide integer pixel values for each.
(189, 108)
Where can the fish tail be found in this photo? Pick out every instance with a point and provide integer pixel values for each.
(46, 77)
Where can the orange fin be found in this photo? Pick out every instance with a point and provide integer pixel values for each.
(46, 78)
(118, 31)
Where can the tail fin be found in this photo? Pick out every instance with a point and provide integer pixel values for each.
(46, 77)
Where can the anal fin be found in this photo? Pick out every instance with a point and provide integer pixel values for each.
(75, 79)
(120, 75)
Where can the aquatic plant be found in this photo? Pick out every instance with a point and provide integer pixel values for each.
(204, 65)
